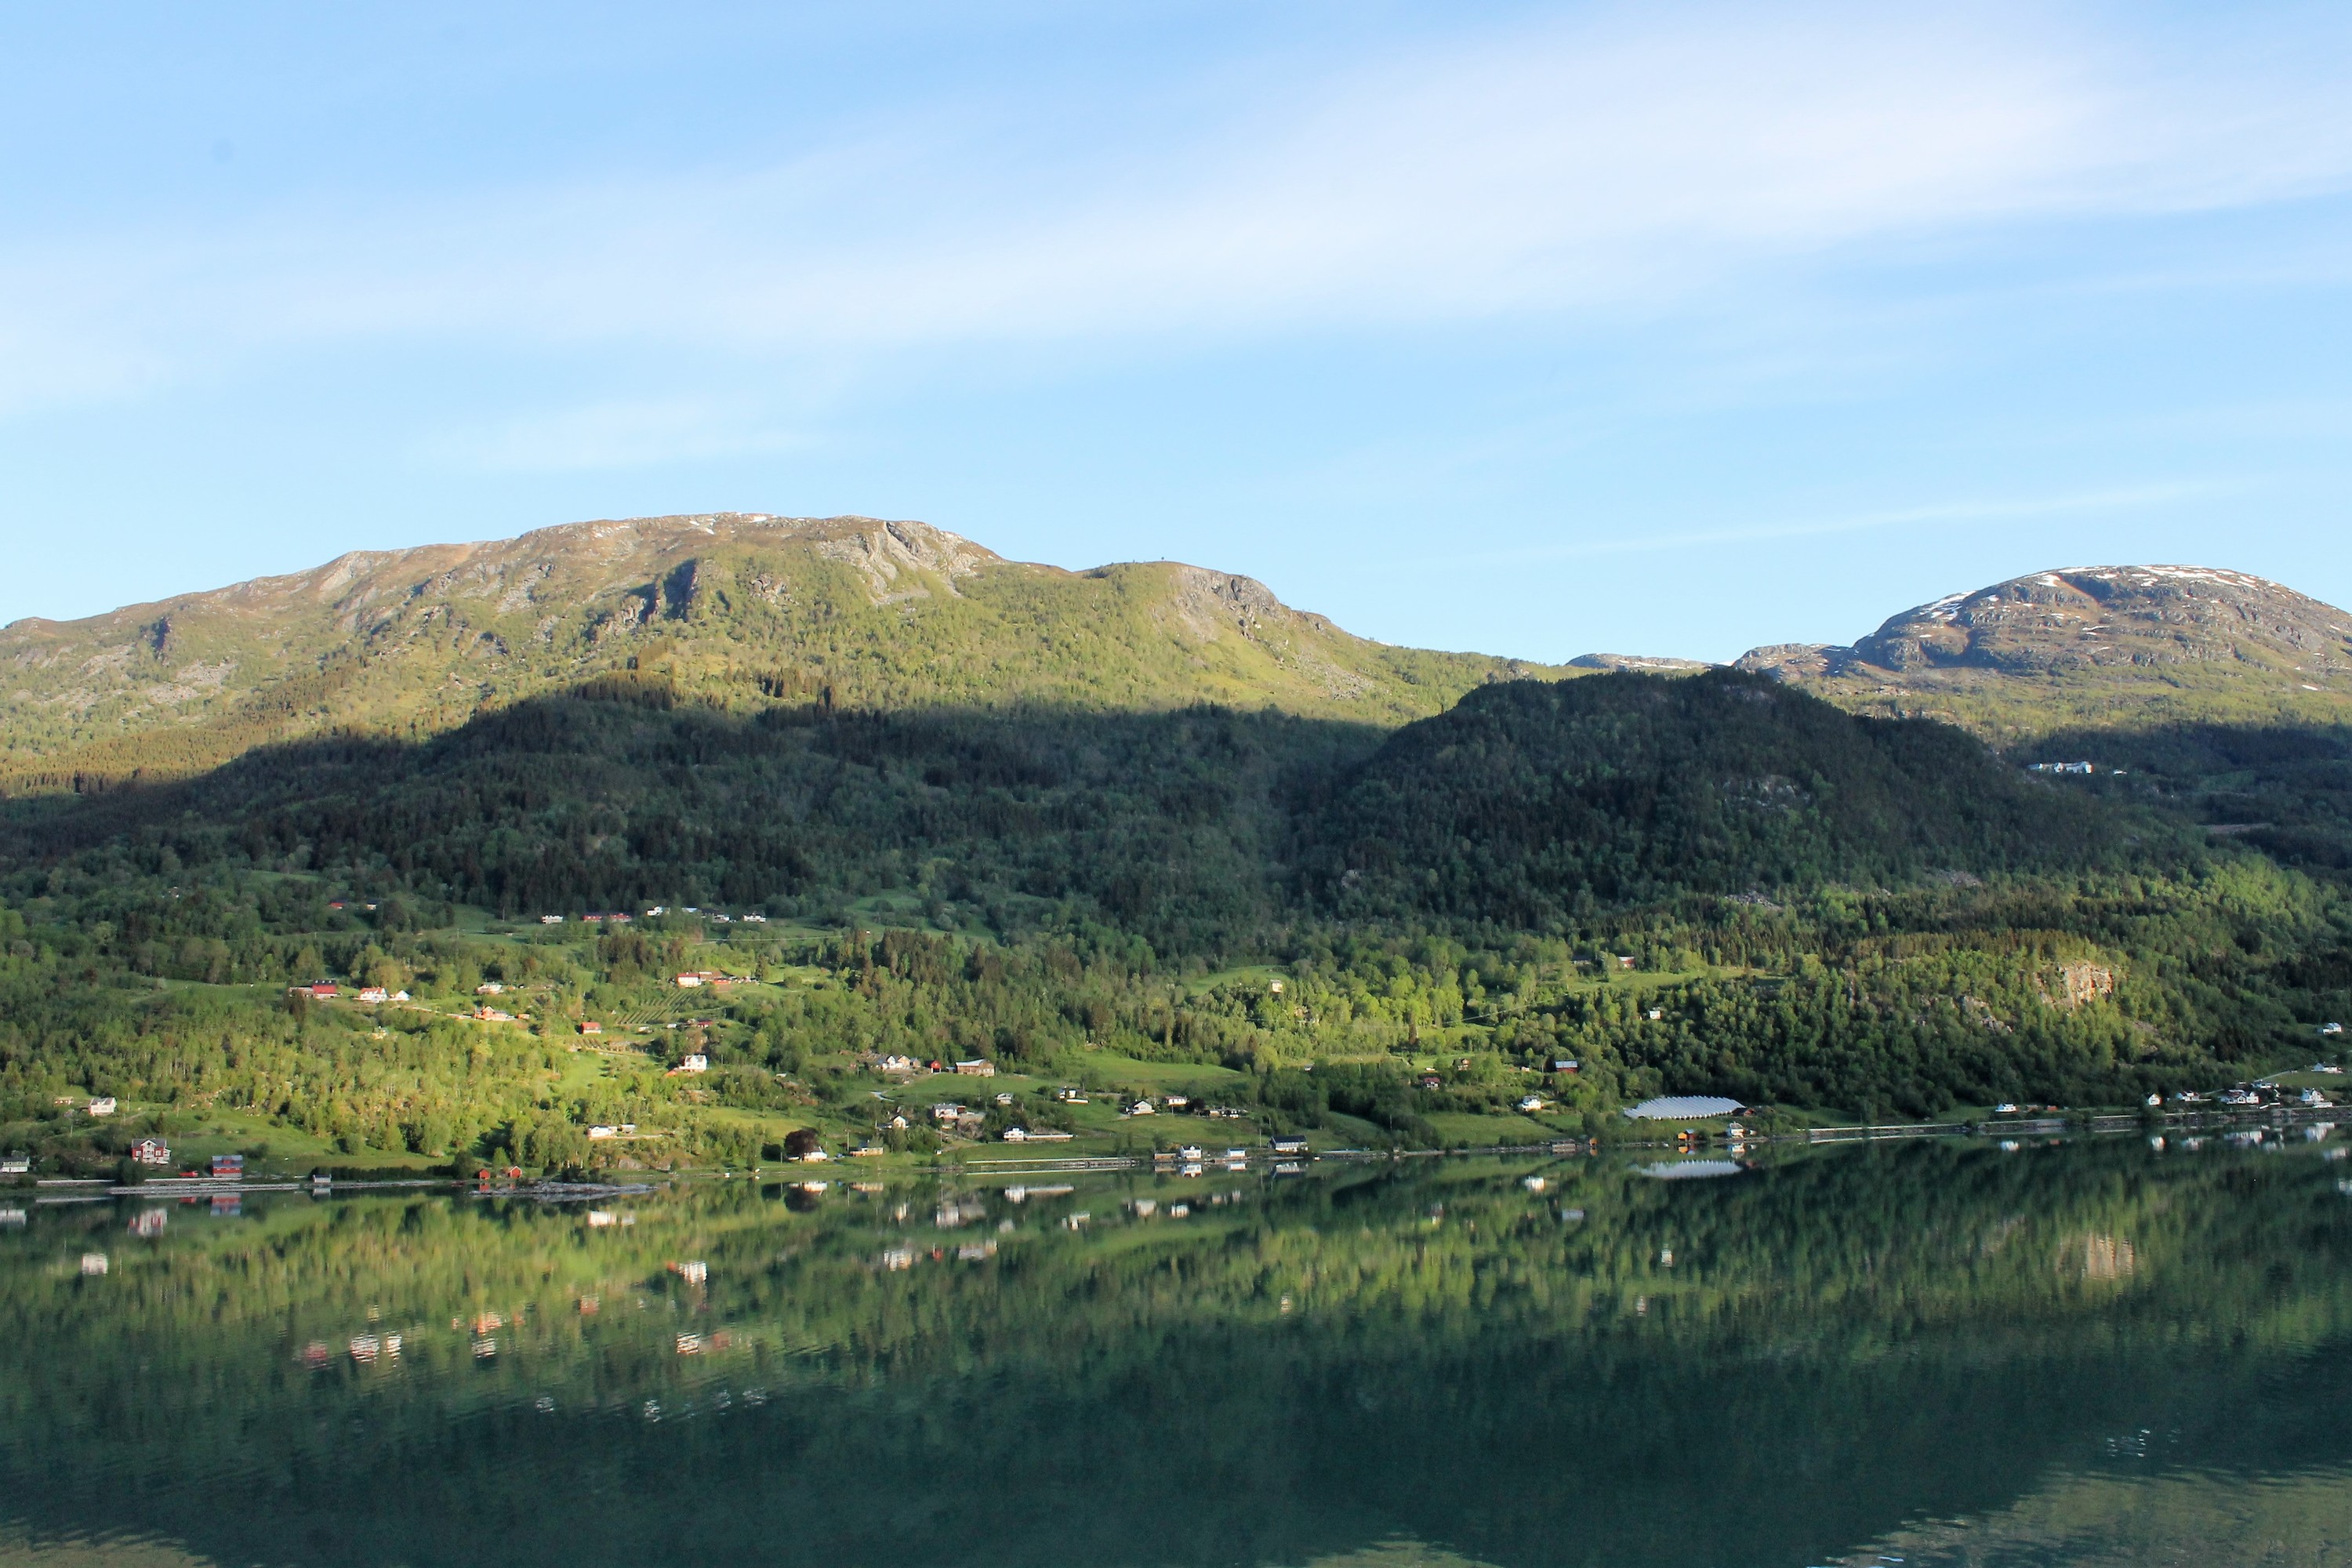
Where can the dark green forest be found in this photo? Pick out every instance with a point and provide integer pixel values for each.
(1715, 884)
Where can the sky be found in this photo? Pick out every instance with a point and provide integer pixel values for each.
(1531, 328)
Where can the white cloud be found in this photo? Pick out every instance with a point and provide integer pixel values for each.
(1623, 164)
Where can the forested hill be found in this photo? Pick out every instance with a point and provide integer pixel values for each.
(738, 609)
(1529, 802)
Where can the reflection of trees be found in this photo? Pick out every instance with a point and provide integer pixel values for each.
(1838, 1343)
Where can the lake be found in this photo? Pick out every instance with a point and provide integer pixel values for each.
(2078, 1351)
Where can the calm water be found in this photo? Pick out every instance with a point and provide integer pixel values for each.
(2089, 1353)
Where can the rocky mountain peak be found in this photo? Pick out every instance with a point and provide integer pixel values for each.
(2047, 622)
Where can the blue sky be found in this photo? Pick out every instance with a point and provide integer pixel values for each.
(1533, 328)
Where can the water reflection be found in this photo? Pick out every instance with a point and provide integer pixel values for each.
(2089, 1352)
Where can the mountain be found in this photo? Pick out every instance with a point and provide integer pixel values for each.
(2125, 645)
(728, 608)
(2218, 694)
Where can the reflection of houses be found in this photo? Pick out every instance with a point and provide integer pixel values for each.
(228, 1166)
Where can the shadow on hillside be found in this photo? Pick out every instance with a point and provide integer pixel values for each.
(2286, 790)
(1175, 824)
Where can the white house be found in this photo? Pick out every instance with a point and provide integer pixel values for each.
(101, 1105)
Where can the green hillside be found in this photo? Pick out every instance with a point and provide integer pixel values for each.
(743, 610)
(1049, 821)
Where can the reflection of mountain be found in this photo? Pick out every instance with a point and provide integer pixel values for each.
(1838, 1345)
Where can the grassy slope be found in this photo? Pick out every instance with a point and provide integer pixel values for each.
(742, 612)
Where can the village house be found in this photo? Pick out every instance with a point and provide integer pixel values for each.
(600, 1131)
(152, 1151)
(695, 1062)
(898, 1065)
(1289, 1143)
(15, 1165)
(1563, 1064)
(946, 1112)
(551, 920)
(1531, 1103)
(976, 1069)
(101, 1105)
(486, 1014)
(489, 988)
(319, 991)
(1140, 1108)
(590, 1026)
(373, 994)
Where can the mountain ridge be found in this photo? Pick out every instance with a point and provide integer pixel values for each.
(728, 607)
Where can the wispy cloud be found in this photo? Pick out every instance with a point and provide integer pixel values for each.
(1993, 511)
(1624, 164)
